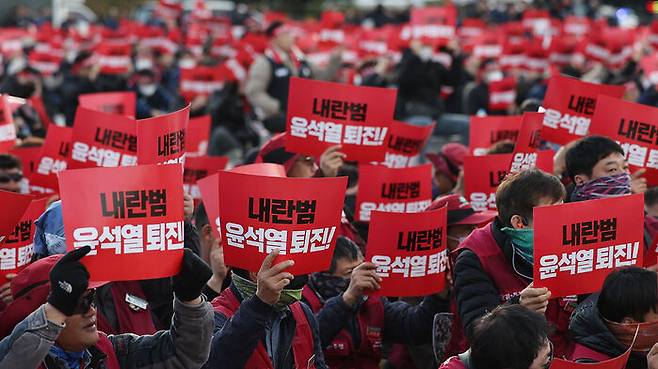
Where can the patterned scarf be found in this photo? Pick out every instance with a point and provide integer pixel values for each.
(647, 334)
(604, 187)
(327, 285)
(72, 359)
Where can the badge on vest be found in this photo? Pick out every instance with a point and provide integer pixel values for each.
(136, 303)
(281, 72)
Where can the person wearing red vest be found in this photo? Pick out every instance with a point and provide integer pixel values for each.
(494, 264)
(353, 327)
(260, 322)
(57, 325)
(604, 325)
(511, 336)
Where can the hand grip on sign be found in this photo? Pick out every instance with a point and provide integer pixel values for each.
(272, 279)
(364, 277)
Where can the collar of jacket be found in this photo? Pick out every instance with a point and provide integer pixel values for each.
(96, 358)
(519, 265)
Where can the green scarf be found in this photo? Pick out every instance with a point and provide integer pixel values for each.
(522, 242)
(247, 289)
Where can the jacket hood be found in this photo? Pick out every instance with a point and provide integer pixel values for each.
(588, 329)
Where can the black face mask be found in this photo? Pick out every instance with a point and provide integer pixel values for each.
(327, 285)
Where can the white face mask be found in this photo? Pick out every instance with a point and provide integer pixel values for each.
(147, 90)
(141, 64)
(425, 53)
(494, 76)
(186, 63)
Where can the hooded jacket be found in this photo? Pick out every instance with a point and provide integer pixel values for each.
(589, 330)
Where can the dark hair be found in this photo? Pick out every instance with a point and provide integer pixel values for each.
(269, 31)
(584, 155)
(628, 292)
(651, 196)
(9, 161)
(530, 105)
(345, 249)
(509, 337)
(520, 192)
(200, 216)
(501, 147)
(351, 172)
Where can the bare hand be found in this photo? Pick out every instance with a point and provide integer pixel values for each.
(652, 358)
(271, 280)
(535, 298)
(219, 269)
(639, 183)
(331, 161)
(5, 290)
(188, 206)
(364, 277)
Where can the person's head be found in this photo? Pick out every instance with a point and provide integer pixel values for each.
(595, 157)
(206, 235)
(346, 257)
(447, 164)
(502, 147)
(80, 331)
(462, 219)
(490, 71)
(146, 82)
(85, 65)
(629, 295)
(11, 173)
(298, 166)
(651, 201)
(281, 36)
(520, 192)
(511, 337)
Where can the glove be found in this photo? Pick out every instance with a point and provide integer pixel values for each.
(192, 277)
(69, 279)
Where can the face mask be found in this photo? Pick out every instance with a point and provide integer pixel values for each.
(604, 187)
(647, 335)
(186, 63)
(327, 285)
(522, 242)
(147, 90)
(287, 298)
(494, 76)
(425, 53)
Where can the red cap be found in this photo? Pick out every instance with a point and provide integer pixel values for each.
(460, 211)
(30, 289)
(274, 152)
(449, 160)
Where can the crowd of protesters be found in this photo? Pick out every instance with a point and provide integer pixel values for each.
(212, 316)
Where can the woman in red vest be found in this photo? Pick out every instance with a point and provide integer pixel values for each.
(494, 264)
(511, 336)
(353, 326)
(57, 322)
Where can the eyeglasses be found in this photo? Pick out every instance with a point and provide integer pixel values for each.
(6, 178)
(86, 302)
(550, 356)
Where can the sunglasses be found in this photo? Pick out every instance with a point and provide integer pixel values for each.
(86, 302)
(6, 178)
(550, 357)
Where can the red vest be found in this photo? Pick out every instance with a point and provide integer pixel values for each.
(453, 363)
(584, 352)
(106, 347)
(302, 343)
(510, 284)
(342, 354)
(130, 321)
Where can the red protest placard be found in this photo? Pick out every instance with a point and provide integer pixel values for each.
(121, 103)
(201, 81)
(570, 105)
(102, 140)
(130, 216)
(162, 138)
(17, 248)
(578, 244)
(483, 174)
(114, 58)
(502, 94)
(198, 135)
(633, 126)
(525, 150)
(14, 206)
(7, 129)
(54, 156)
(614, 363)
(298, 216)
(404, 144)
(486, 131)
(433, 23)
(409, 251)
(198, 168)
(324, 114)
(400, 190)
